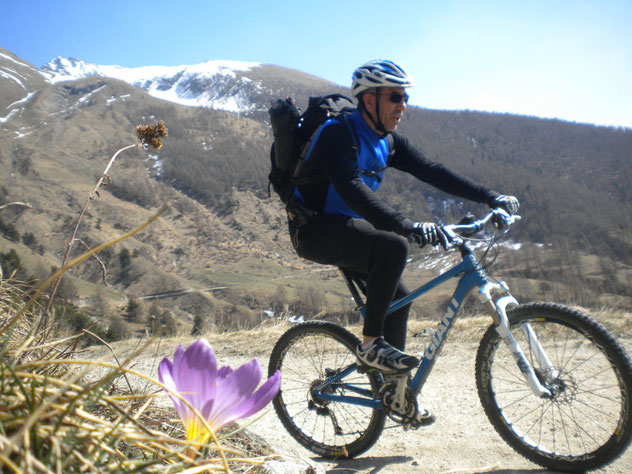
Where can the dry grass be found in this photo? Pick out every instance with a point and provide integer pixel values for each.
(258, 342)
(57, 416)
(65, 411)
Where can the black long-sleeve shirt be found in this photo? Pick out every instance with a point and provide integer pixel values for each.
(336, 184)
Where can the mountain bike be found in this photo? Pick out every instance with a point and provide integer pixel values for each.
(555, 383)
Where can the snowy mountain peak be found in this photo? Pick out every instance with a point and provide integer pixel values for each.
(67, 69)
(213, 84)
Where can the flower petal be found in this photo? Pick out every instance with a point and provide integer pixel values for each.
(261, 397)
(240, 382)
(219, 396)
(165, 375)
(224, 372)
(234, 391)
(195, 373)
(192, 375)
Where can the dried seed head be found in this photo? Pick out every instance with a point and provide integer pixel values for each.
(150, 135)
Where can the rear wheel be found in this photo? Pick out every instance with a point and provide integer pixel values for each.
(307, 355)
(587, 420)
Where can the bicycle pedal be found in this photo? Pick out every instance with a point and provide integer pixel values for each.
(363, 369)
(367, 369)
(425, 419)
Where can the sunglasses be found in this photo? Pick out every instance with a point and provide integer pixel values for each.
(396, 97)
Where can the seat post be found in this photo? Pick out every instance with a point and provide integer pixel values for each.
(353, 288)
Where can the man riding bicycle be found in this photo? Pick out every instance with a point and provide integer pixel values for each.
(357, 231)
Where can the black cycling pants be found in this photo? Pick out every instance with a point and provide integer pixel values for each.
(378, 256)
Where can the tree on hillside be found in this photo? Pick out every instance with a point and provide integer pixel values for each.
(125, 260)
(135, 311)
(10, 262)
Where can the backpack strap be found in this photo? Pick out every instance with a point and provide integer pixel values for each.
(356, 148)
(295, 180)
(391, 146)
(310, 143)
(354, 140)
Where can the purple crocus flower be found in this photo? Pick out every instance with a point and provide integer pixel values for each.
(219, 396)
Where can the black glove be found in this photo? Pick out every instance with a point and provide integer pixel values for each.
(507, 203)
(424, 233)
(501, 218)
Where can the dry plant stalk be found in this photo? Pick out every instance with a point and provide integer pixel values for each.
(148, 136)
(55, 276)
(16, 203)
(53, 419)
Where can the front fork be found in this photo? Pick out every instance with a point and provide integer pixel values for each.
(498, 310)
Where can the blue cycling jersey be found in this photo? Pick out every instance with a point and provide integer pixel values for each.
(372, 160)
(338, 180)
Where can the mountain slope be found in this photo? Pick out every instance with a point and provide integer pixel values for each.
(214, 84)
(18, 79)
(223, 236)
(233, 86)
(51, 154)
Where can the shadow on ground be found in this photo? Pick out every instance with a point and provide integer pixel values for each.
(406, 464)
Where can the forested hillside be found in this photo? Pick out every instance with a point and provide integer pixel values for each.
(224, 240)
(574, 181)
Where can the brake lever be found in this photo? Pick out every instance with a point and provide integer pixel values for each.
(454, 239)
(502, 219)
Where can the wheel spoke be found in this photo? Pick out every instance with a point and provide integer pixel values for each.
(589, 406)
(307, 356)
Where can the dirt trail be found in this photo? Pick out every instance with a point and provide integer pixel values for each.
(461, 440)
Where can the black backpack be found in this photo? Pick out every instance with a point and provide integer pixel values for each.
(294, 132)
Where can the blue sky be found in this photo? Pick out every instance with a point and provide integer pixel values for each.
(557, 58)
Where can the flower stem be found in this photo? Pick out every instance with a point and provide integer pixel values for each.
(44, 320)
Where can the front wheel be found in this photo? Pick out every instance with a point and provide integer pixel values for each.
(587, 421)
(308, 355)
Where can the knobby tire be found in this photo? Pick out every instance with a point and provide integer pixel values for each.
(306, 355)
(587, 422)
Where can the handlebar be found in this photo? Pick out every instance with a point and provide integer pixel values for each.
(452, 231)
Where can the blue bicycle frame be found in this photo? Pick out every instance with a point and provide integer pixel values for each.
(472, 276)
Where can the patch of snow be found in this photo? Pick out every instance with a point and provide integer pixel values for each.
(9, 58)
(87, 97)
(193, 85)
(21, 135)
(67, 69)
(157, 163)
(512, 245)
(292, 319)
(13, 112)
(23, 100)
(11, 77)
(113, 99)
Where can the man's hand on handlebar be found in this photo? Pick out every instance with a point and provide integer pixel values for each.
(448, 236)
(510, 204)
(501, 219)
(424, 233)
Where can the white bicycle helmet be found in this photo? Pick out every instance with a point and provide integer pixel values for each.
(379, 73)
